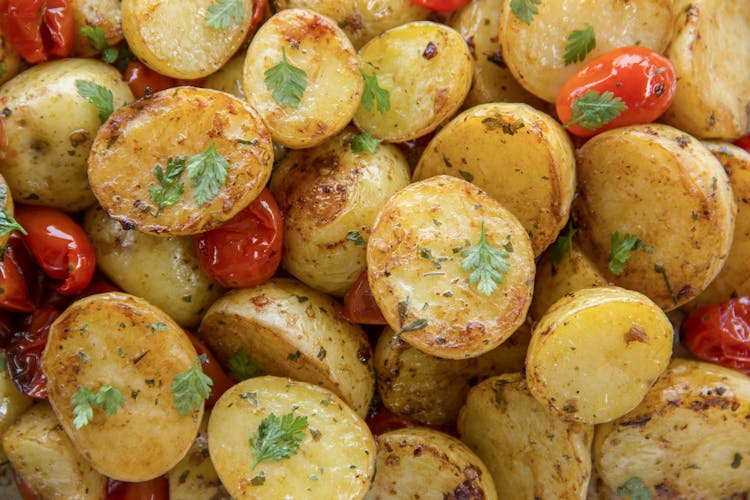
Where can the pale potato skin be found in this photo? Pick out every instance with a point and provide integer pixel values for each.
(189, 119)
(530, 452)
(427, 68)
(317, 45)
(228, 78)
(288, 329)
(49, 130)
(535, 52)
(440, 216)
(103, 14)
(46, 460)
(432, 390)
(713, 91)
(334, 462)
(520, 156)
(361, 20)
(666, 188)
(10, 60)
(172, 37)
(326, 192)
(688, 438)
(12, 402)
(596, 352)
(424, 463)
(163, 270)
(137, 349)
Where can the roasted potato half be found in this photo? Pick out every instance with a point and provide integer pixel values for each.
(49, 129)
(102, 14)
(122, 342)
(335, 456)
(520, 156)
(12, 401)
(425, 463)
(327, 84)
(534, 46)
(330, 196)
(530, 452)
(719, 109)
(425, 69)
(596, 352)
(45, 459)
(228, 78)
(423, 274)
(215, 146)
(689, 438)
(431, 390)
(665, 192)
(288, 329)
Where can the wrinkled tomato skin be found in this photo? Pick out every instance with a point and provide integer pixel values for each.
(644, 80)
(246, 250)
(743, 142)
(359, 304)
(24, 352)
(720, 333)
(211, 367)
(441, 5)
(38, 29)
(59, 246)
(14, 289)
(154, 489)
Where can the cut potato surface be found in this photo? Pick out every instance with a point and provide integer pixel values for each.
(176, 38)
(122, 341)
(327, 71)
(415, 259)
(102, 14)
(12, 402)
(689, 438)
(530, 452)
(520, 156)
(336, 454)
(126, 155)
(596, 352)
(424, 463)
(426, 68)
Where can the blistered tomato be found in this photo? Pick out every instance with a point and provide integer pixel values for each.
(38, 29)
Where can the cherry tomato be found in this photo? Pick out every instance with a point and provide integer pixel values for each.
(259, 12)
(24, 352)
(643, 79)
(743, 142)
(38, 29)
(441, 5)
(720, 333)
(213, 369)
(143, 81)
(360, 305)
(23, 488)
(384, 420)
(246, 250)
(154, 489)
(7, 326)
(59, 246)
(14, 290)
(98, 285)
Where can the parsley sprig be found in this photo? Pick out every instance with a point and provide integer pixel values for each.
(277, 438)
(525, 10)
(619, 252)
(240, 366)
(635, 489)
(222, 12)
(374, 93)
(563, 245)
(99, 96)
(489, 263)
(8, 223)
(85, 400)
(207, 172)
(191, 387)
(580, 43)
(98, 40)
(286, 82)
(365, 142)
(594, 110)
(170, 191)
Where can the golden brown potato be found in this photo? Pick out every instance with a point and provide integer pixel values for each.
(424, 463)
(101, 14)
(336, 451)
(327, 73)
(330, 196)
(426, 69)
(10, 61)
(424, 237)
(288, 329)
(228, 78)
(596, 352)
(127, 156)
(689, 438)
(520, 156)
(713, 90)
(665, 192)
(123, 343)
(12, 401)
(530, 452)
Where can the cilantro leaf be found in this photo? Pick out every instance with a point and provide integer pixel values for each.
(286, 82)
(98, 41)
(524, 10)
(580, 43)
(563, 245)
(3, 70)
(374, 92)
(170, 192)
(207, 172)
(416, 325)
(8, 223)
(636, 489)
(241, 368)
(222, 12)
(488, 263)
(619, 252)
(190, 387)
(356, 237)
(83, 412)
(99, 96)
(365, 142)
(593, 110)
(277, 439)
(109, 398)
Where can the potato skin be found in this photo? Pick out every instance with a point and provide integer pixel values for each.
(12, 402)
(9, 59)
(102, 14)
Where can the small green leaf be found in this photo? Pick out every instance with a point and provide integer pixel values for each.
(356, 237)
(110, 399)
(635, 489)
(580, 43)
(365, 142)
(8, 223)
(417, 324)
(96, 36)
(190, 388)
(277, 439)
(241, 368)
(222, 12)
(619, 252)
(594, 110)
(736, 460)
(83, 412)
(208, 173)
(563, 245)
(525, 10)
(489, 264)
(375, 93)
(99, 96)
(170, 191)
(286, 82)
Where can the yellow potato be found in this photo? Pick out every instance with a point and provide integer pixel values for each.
(102, 14)
(10, 61)
(228, 78)
(12, 401)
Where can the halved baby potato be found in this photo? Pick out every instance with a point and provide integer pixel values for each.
(103, 15)
(221, 141)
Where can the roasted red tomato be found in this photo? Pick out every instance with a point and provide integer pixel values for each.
(384, 420)
(213, 369)
(743, 142)
(143, 81)
(14, 290)
(441, 5)
(246, 250)
(38, 29)
(59, 246)
(24, 352)
(720, 333)
(154, 489)
(626, 86)
(23, 489)
(360, 305)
